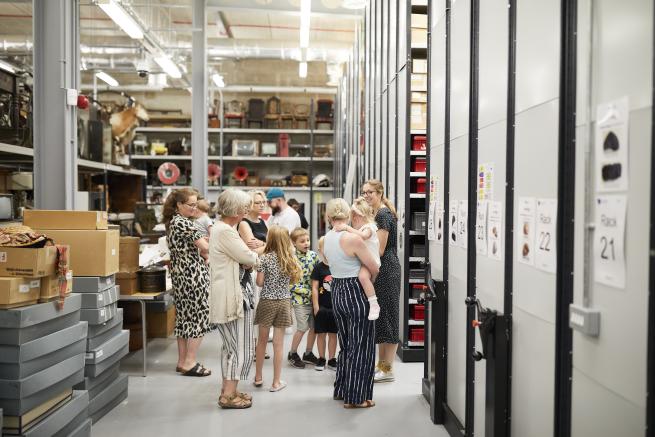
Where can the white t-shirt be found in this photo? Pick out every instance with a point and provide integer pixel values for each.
(203, 223)
(373, 243)
(287, 218)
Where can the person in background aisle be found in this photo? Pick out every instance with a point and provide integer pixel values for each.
(203, 221)
(190, 277)
(324, 323)
(362, 218)
(387, 284)
(346, 253)
(232, 301)
(301, 298)
(276, 271)
(293, 203)
(282, 214)
(253, 232)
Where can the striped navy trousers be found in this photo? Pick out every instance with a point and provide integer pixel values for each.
(238, 349)
(355, 367)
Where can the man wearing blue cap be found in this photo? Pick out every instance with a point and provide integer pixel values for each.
(282, 214)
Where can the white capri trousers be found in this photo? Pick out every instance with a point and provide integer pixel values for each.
(238, 350)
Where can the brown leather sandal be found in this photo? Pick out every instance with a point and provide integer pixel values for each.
(367, 404)
(233, 402)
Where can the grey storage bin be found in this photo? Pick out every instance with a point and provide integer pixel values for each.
(98, 330)
(418, 250)
(107, 362)
(21, 325)
(98, 384)
(100, 315)
(58, 423)
(102, 412)
(419, 220)
(96, 342)
(106, 396)
(107, 349)
(101, 299)
(92, 284)
(17, 397)
(84, 430)
(21, 361)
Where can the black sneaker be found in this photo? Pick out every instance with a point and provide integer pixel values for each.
(310, 358)
(295, 361)
(332, 364)
(320, 365)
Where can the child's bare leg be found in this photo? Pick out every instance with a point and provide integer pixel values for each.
(369, 291)
(332, 345)
(320, 339)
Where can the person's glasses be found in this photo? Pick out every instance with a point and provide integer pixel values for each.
(192, 205)
(368, 193)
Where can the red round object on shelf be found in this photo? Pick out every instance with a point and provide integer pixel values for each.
(213, 172)
(82, 101)
(240, 174)
(168, 173)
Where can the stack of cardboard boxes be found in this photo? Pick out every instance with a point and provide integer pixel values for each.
(419, 82)
(41, 355)
(94, 258)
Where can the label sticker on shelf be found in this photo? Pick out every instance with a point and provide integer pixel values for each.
(462, 223)
(609, 241)
(113, 252)
(24, 288)
(525, 228)
(454, 229)
(99, 353)
(481, 228)
(495, 230)
(102, 312)
(545, 257)
(3, 257)
(35, 284)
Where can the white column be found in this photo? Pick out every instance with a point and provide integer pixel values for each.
(199, 140)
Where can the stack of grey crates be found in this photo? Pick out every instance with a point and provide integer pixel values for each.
(41, 359)
(107, 343)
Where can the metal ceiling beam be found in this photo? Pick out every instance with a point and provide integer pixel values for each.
(287, 12)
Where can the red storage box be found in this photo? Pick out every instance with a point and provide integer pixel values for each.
(419, 142)
(419, 312)
(416, 334)
(420, 164)
(420, 185)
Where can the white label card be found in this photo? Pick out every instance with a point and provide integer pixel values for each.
(3, 257)
(439, 220)
(35, 284)
(24, 288)
(609, 241)
(481, 228)
(431, 234)
(100, 353)
(525, 230)
(611, 145)
(462, 223)
(546, 232)
(453, 222)
(495, 231)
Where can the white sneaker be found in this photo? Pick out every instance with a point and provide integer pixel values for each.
(382, 376)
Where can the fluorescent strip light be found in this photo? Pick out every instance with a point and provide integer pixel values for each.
(218, 80)
(302, 69)
(168, 66)
(305, 13)
(106, 78)
(120, 16)
(353, 4)
(6, 66)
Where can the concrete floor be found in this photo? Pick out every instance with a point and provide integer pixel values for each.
(166, 404)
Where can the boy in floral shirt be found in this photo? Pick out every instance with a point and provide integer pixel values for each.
(301, 298)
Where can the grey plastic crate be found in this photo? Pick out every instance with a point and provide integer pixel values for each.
(419, 220)
(100, 315)
(19, 397)
(58, 423)
(101, 299)
(92, 284)
(98, 330)
(21, 325)
(21, 361)
(98, 384)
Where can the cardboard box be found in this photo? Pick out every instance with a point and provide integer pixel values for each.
(419, 37)
(26, 262)
(420, 66)
(161, 325)
(18, 292)
(128, 285)
(418, 116)
(68, 220)
(50, 286)
(419, 97)
(419, 82)
(92, 253)
(136, 337)
(128, 259)
(419, 21)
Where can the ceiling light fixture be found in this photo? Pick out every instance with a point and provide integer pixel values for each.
(116, 12)
(353, 4)
(305, 14)
(106, 78)
(6, 66)
(218, 80)
(168, 66)
(302, 69)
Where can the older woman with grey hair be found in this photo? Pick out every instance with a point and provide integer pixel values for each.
(231, 301)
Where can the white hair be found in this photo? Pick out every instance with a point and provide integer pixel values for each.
(233, 202)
